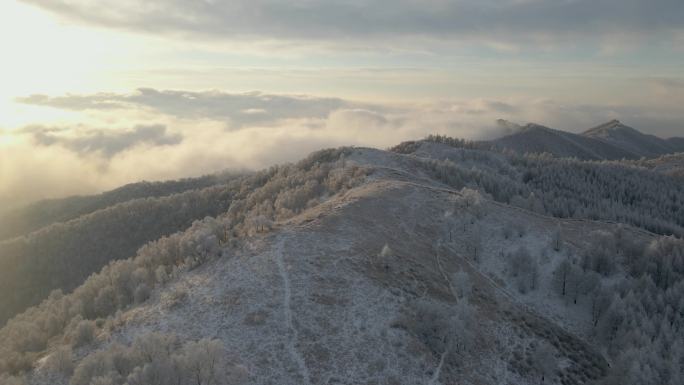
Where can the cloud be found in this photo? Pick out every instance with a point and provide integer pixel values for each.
(473, 118)
(189, 136)
(100, 101)
(667, 89)
(237, 110)
(105, 143)
(498, 22)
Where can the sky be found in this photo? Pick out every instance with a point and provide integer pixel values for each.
(94, 95)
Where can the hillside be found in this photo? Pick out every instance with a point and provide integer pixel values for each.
(629, 139)
(560, 187)
(609, 141)
(21, 221)
(61, 255)
(439, 265)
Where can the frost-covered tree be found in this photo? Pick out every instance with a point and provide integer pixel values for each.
(444, 329)
(557, 239)
(83, 333)
(473, 242)
(61, 361)
(544, 361)
(127, 282)
(601, 254)
(461, 284)
(160, 359)
(524, 268)
(386, 251)
(561, 274)
(12, 380)
(204, 362)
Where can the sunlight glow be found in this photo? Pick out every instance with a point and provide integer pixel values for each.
(41, 54)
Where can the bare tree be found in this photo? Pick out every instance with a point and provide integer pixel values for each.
(474, 242)
(544, 361)
(524, 268)
(557, 237)
(61, 361)
(561, 275)
(461, 284)
(84, 333)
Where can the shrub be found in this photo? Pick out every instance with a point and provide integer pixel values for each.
(83, 334)
(61, 361)
(142, 293)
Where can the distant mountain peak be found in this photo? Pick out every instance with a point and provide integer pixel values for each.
(609, 128)
(632, 140)
(534, 127)
(507, 127)
(610, 140)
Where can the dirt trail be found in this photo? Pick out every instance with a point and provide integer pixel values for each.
(287, 310)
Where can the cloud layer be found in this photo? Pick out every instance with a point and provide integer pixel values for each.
(103, 142)
(172, 134)
(471, 118)
(237, 110)
(507, 21)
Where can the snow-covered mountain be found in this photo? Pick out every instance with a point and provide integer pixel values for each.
(23, 220)
(534, 138)
(629, 139)
(435, 263)
(611, 141)
(78, 236)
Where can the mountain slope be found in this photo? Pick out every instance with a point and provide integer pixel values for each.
(560, 187)
(317, 302)
(62, 255)
(609, 141)
(672, 165)
(538, 139)
(24, 220)
(631, 140)
(367, 266)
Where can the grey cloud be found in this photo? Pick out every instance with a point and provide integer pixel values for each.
(474, 118)
(75, 102)
(106, 143)
(669, 83)
(367, 20)
(238, 110)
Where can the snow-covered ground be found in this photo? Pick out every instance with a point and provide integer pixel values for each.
(314, 301)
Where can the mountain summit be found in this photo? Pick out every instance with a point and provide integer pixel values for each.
(432, 263)
(608, 141)
(630, 139)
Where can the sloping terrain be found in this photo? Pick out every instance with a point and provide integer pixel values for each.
(315, 302)
(539, 139)
(60, 256)
(609, 141)
(338, 308)
(559, 187)
(361, 266)
(21, 221)
(629, 139)
(672, 164)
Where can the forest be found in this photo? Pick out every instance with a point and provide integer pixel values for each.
(633, 291)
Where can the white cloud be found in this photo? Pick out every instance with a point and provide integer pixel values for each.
(237, 110)
(102, 142)
(181, 133)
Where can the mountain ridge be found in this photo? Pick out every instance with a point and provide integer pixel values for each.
(609, 141)
(434, 263)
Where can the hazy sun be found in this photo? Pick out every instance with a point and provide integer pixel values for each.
(6, 139)
(43, 54)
